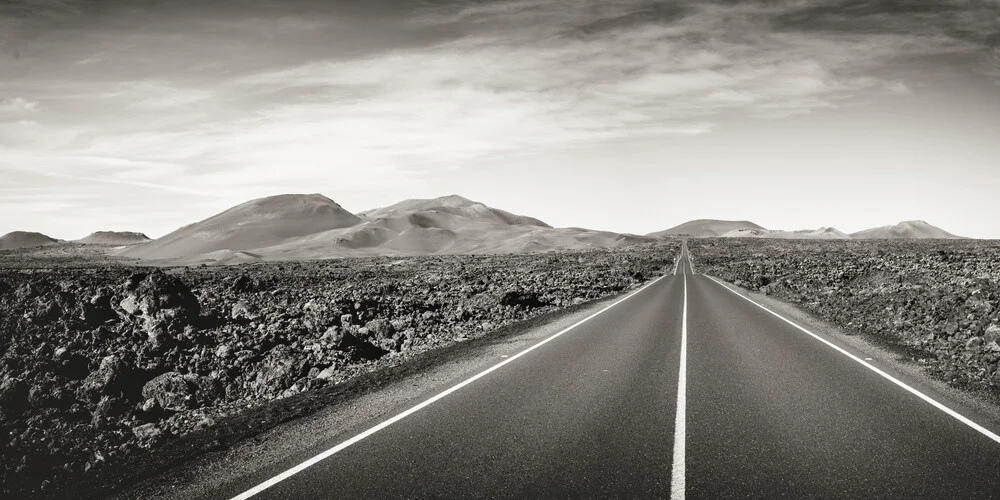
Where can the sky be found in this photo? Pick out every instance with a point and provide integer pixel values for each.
(623, 115)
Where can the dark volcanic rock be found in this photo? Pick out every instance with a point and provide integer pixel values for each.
(939, 300)
(110, 378)
(108, 361)
(521, 298)
(13, 398)
(170, 391)
(163, 303)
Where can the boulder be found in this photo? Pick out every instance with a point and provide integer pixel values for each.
(327, 373)
(108, 410)
(98, 310)
(380, 329)
(109, 378)
(279, 370)
(170, 391)
(163, 303)
(241, 311)
(148, 434)
(992, 333)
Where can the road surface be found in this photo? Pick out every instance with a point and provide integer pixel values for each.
(683, 389)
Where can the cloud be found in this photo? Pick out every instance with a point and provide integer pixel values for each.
(156, 95)
(17, 104)
(215, 101)
(551, 74)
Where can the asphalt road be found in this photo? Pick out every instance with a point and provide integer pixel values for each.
(767, 411)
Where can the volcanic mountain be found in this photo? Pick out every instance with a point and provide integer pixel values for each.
(24, 239)
(291, 227)
(257, 223)
(706, 228)
(114, 238)
(913, 229)
(446, 225)
(456, 206)
(823, 233)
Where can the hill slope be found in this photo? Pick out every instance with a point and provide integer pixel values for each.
(25, 239)
(823, 233)
(914, 229)
(453, 205)
(114, 238)
(706, 228)
(446, 225)
(292, 227)
(257, 223)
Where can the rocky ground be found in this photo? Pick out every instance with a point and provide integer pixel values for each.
(101, 363)
(936, 300)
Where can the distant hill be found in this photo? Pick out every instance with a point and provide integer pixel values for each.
(823, 233)
(292, 227)
(706, 228)
(446, 225)
(914, 229)
(114, 238)
(453, 205)
(257, 223)
(24, 239)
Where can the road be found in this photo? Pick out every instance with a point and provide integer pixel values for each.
(683, 389)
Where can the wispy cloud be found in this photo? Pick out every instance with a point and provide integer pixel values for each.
(17, 105)
(226, 101)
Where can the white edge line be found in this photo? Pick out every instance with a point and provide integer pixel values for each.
(690, 262)
(340, 447)
(678, 471)
(958, 416)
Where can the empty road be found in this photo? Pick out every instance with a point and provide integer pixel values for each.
(683, 389)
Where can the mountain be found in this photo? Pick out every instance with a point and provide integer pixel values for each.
(706, 228)
(291, 227)
(24, 239)
(913, 229)
(445, 225)
(257, 223)
(114, 238)
(453, 205)
(823, 233)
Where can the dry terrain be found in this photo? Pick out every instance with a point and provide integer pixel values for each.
(102, 364)
(936, 300)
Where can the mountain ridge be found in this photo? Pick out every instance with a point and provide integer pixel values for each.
(910, 229)
(113, 238)
(25, 239)
(296, 226)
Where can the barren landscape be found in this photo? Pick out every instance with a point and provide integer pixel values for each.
(102, 363)
(936, 300)
(265, 249)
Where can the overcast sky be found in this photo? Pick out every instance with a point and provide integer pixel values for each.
(626, 115)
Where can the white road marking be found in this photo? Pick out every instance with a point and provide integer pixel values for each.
(354, 440)
(678, 473)
(690, 262)
(958, 416)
